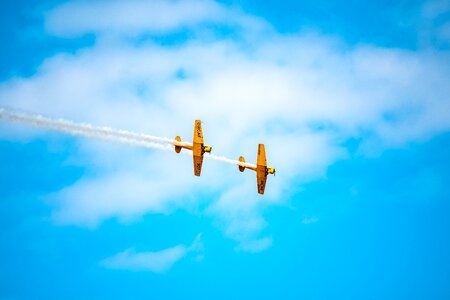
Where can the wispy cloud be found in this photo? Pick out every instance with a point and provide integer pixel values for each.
(310, 220)
(255, 245)
(158, 261)
(135, 17)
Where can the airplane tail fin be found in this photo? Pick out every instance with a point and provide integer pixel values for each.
(177, 148)
(241, 168)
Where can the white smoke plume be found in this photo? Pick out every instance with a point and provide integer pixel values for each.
(103, 133)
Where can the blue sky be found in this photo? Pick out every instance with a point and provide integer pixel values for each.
(350, 98)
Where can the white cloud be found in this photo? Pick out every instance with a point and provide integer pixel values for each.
(135, 17)
(147, 261)
(158, 261)
(302, 95)
(255, 245)
(310, 220)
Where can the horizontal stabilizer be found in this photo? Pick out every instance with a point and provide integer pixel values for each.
(241, 168)
(178, 148)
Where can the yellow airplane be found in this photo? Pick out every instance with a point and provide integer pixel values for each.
(261, 168)
(198, 148)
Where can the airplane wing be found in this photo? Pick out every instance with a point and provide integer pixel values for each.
(261, 169)
(261, 178)
(197, 150)
(198, 133)
(198, 161)
(261, 158)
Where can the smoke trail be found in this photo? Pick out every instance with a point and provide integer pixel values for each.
(104, 133)
(87, 130)
(229, 161)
